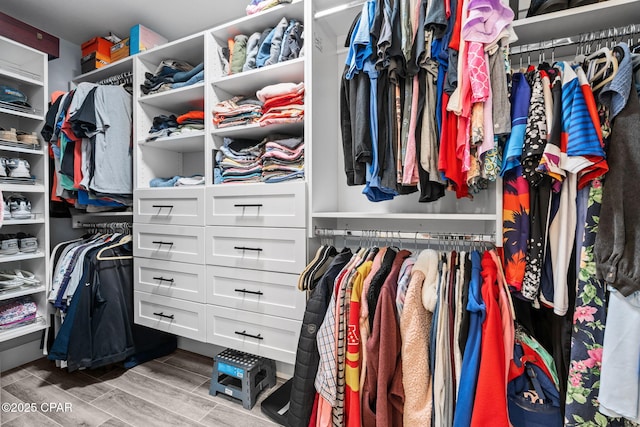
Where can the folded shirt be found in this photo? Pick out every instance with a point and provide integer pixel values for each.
(280, 89)
(279, 101)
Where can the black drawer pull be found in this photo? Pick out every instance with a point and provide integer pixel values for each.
(249, 205)
(244, 248)
(162, 279)
(163, 206)
(166, 316)
(245, 334)
(159, 242)
(244, 291)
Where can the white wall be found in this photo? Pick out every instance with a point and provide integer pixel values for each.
(63, 69)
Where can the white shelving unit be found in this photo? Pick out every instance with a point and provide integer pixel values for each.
(25, 69)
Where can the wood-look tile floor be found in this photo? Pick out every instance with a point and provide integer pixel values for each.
(170, 391)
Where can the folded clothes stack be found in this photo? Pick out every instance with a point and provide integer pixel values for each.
(17, 311)
(237, 111)
(177, 181)
(172, 74)
(259, 5)
(239, 160)
(283, 159)
(282, 103)
(276, 158)
(270, 46)
(163, 126)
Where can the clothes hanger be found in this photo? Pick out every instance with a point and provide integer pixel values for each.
(126, 239)
(614, 70)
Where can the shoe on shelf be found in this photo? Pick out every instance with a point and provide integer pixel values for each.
(18, 168)
(6, 211)
(20, 207)
(28, 138)
(3, 167)
(27, 243)
(8, 244)
(539, 7)
(9, 135)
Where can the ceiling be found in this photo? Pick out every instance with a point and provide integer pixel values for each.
(80, 20)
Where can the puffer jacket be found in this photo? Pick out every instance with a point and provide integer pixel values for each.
(307, 356)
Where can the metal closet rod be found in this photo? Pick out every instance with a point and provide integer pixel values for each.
(105, 225)
(395, 235)
(338, 9)
(610, 33)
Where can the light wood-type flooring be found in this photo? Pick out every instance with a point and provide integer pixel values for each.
(170, 391)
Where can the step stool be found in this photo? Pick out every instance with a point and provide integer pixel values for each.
(242, 376)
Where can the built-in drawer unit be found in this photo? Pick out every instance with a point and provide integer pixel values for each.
(169, 206)
(179, 317)
(266, 249)
(170, 279)
(259, 205)
(263, 292)
(169, 242)
(259, 334)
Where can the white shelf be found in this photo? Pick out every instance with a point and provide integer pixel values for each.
(22, 188)
(573, 21)
(20, 78)
(189, 48)
(121, 66)
(19, 149)
(255, 131)
(18, 331)
(21, 256)
(36, 220)
(19, 292)
(249, 82)
(259, 21)
(21, 114)
(177, 100)
(406, 216)
(188, 143)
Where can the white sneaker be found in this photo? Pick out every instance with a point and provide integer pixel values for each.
(6, 212)
(18, 168)
(8, 244)
(3, 167)
(20, 207)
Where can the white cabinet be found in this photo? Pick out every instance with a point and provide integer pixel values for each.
(167, 206)
(25, 70)
(170, 279)
(184, 318)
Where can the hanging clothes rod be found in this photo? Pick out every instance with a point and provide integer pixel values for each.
(610, 33)
(338, 9)
(105, 225)
(399, 235)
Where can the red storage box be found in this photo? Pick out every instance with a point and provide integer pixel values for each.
(97, 44)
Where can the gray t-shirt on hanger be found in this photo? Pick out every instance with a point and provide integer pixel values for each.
(113, 173)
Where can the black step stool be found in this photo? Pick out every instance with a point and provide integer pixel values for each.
(242, 376)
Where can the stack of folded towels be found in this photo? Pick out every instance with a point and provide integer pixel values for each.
(283, 159)
(282, 103)
(239, 160)
(172, 74)
(237, 111)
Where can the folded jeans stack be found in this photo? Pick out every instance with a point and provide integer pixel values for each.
(163, 126)
(239, 160)
(282, 103)
(271, 46)
(237, 111)
(283, 159)
(172, 74)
